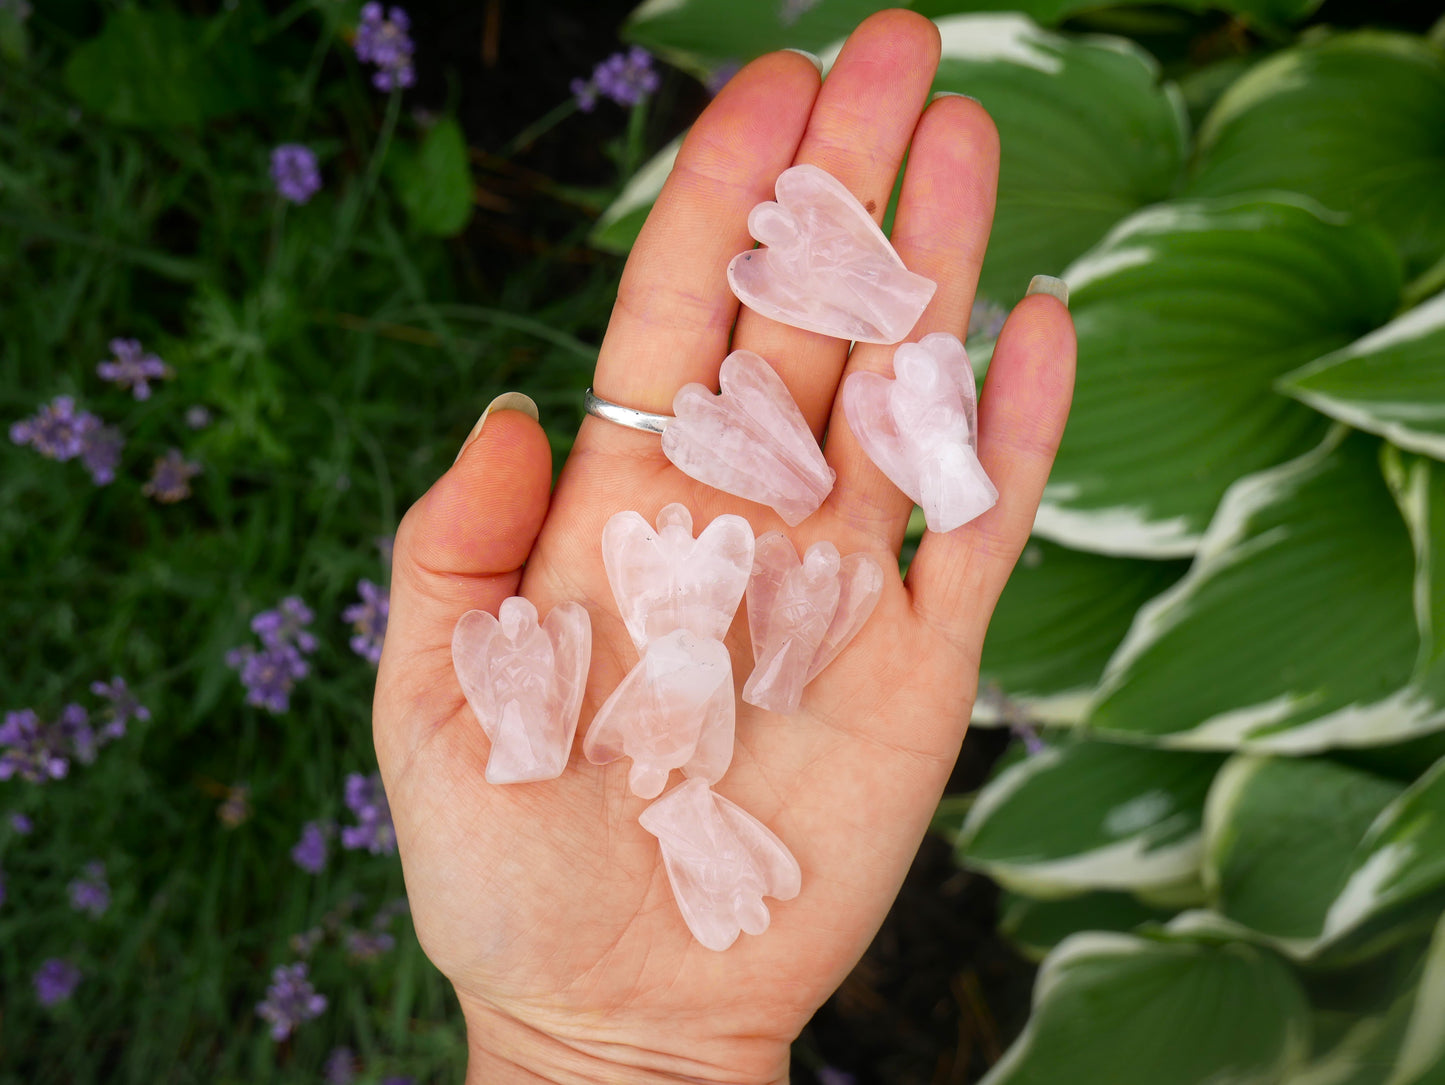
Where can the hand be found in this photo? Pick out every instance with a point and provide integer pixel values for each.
(546, 904)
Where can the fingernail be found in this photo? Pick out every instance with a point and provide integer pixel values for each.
(951, 94)
(1047, 284)
(811, 58)
(507, 401)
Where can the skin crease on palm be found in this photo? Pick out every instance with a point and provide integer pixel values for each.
(546, 904)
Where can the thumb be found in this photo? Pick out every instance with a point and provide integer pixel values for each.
(461, 547)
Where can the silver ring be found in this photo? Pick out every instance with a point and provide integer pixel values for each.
(605, 409)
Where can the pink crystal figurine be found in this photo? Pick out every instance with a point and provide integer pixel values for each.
(721, 862)
(827, 266)
(524, 682)
(801, 614)
(750, 441)
(665, 580)
(674, 710)
(921, 429)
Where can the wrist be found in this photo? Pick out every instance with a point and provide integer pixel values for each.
(505, 1051)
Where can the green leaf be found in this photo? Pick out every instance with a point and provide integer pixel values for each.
(1400, 858)
(1087, 132)
(14, 41)
(160, 69)
(1405, 1045)
(1391, 382)
(701, 36)
(1356, 121)
(1279, 836)
(1090, 816)
(1114, 1009)
(620, 224)
(1053, 11)
(434, 182)
(1187, 314)
(1067, 173)
(1037, 926)
(1295, 628)
(1058, 621)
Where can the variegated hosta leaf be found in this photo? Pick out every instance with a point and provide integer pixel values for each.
(1069, 171)
(1037, 926)
(701, 36)
(620, 224)
(1115, 1009)
(1295, 628)
(1279, 836)
(1187, 314)
(1355, 121)
(1090, 815)
(1391, 382)
(1087, 133)
(1405, 1045)
(1316, 857)
(1052, 11)
(1058, 621)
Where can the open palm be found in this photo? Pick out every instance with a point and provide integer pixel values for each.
(546, 904)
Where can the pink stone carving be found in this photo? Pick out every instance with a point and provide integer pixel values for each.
(801, 614)
(750, 441)
(921, 429)
(674, 710)
(524, 683)
(827, 266)
(721, 862)
(665, 580)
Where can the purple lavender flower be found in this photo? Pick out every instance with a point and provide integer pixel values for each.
(827, 1075)
(310, 851)
(56, 430)
(374, 831)
(383, 40)
(133, 367)
(1029, 736)
(368, 621)
(295, 172)
(305, 943)
(985, 319)
(384, 545)
(235, 808)
(170, 479)
(368, 945)
(625, 78)
(100, 453)
(91, 892)
(198, 416)
(123, 707)
(20, 824)
(55, 981)
(290, 1000)
(286, 625)
(21, 9)
(74, 727)
(721, 75)
(269, 675)
(35, 752)
(340, 1067)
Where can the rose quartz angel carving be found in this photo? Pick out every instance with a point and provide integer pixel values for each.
(524, 683)
(921, 429)
(665, 580)
(750, 441)
(827, 266)
(801, 614)
(674, 710)
(721, 862)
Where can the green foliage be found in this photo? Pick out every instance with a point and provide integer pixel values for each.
(1234, 597)
(341, 352)
(160, 69)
